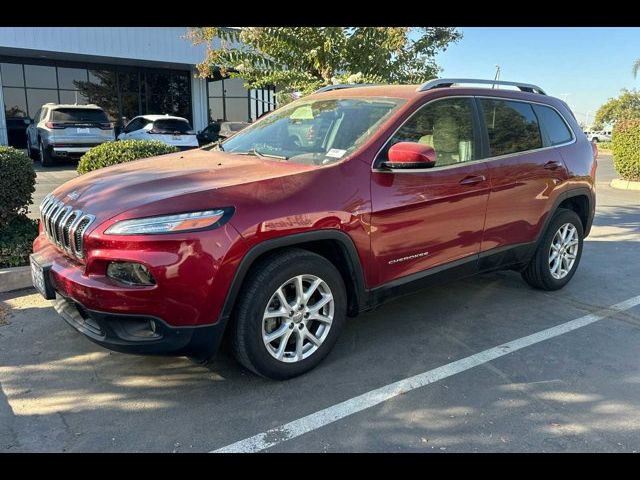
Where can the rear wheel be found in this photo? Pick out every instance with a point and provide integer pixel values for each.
(558, 254)
(45, 157)
(289, 314)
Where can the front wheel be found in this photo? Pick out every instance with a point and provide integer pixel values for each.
(289, 314)
(558, 254)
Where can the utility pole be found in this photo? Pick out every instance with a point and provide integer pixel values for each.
(496, 77)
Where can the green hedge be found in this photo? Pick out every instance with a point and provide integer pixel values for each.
(17, 183)
(16, 239)
(626, 149)
(113, 153)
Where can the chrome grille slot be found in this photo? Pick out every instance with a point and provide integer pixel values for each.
(64, 226)
(85, 221)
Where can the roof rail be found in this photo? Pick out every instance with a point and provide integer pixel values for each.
(340, 86)
(448, 82)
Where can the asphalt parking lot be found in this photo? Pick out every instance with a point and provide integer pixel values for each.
(565, 376)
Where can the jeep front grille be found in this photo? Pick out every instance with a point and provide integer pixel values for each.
(65, 226)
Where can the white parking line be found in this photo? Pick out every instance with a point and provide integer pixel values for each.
(357, 404)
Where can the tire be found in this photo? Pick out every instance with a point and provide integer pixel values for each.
(595, 140)
(31, 153)
(539, 272)
(45, 157)
(259, 293)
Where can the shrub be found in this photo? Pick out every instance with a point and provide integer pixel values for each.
(16, 239)
(17, 183)
(113, 153)
(626, 149)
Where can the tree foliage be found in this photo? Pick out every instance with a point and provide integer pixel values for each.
(626, 106)
(306, 58)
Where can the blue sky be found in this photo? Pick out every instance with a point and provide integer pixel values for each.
(589, 64)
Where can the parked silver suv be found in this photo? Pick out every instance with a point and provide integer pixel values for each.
(67, 131)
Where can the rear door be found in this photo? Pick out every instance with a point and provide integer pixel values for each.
(525, 169)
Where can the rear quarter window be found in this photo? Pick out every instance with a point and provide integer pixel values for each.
(512, 126)
(554, 126)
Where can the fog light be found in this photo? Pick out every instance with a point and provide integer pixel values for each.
(130, 273)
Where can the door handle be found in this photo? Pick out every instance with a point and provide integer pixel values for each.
(472, 179)
(552, 165)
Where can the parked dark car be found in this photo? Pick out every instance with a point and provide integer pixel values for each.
(341, 201)
(218, 131)
(17, 131)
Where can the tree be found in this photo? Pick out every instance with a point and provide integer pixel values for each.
(626, 106)
(302, 59)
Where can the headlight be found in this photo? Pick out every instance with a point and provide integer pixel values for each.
(171, 223)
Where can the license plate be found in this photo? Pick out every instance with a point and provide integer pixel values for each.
(82, 130)
(40, 279)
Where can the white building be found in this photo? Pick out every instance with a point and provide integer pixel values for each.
(126, 70)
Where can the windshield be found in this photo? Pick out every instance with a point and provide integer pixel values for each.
(171, 125)
(79, 115)
(316, 132)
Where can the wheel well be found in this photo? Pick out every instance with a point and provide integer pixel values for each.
(337, 254)
(580, 205)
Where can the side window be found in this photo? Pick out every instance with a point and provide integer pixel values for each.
(133, 125)
(512, 126)
(446, 126)
(554, 126)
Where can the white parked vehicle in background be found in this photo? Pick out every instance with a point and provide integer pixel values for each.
(599, 136)
(174, 131)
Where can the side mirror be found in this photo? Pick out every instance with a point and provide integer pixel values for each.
(410, 155)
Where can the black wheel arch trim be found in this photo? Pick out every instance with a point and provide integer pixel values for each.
(293, 240)
(574, 192)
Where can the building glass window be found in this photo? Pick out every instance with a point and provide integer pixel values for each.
(102, 90)
(15, 102)
(71, 78)
(73, 96)
(12, 74)
(120, 91)
(230, 101)
(36, 97)
(40, 76)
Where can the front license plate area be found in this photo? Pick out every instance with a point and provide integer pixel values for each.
(41, 280)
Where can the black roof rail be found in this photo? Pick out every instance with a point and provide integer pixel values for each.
(448, 82)
(340, 86)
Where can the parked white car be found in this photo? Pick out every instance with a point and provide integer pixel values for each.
(599, 136)
(174, 131)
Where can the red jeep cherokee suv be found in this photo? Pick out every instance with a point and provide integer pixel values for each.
(323, 209)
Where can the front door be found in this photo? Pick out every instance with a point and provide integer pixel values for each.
(430, 217)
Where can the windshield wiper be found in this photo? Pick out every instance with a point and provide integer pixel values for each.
(257, 153)
(214, 146)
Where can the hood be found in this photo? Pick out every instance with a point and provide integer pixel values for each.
(110, 191)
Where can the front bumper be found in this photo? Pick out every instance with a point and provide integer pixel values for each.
(139, 334)
(179, 315)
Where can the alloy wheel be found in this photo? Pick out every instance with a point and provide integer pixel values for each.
(563, 251)
(298, 318)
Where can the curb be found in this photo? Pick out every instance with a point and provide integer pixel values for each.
(15, 278)
(621, 184)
